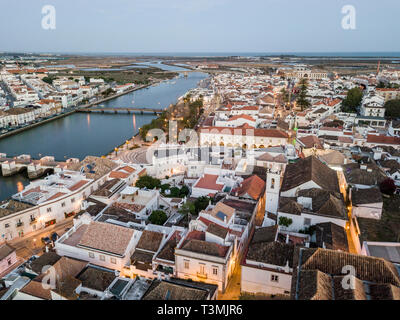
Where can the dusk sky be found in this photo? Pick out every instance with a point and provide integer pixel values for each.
(200, 26)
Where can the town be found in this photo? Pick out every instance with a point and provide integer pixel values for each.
(277, 183)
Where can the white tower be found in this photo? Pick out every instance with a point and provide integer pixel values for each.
(272, 190)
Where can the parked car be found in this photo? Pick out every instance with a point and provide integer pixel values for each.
(54, 236)
(46, 240)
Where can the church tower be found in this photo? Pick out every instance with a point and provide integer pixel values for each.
(272, 190)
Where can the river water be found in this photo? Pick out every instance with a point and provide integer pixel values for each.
(80, 134)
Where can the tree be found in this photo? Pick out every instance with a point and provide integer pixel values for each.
(283, 221)
(184, 192)
(158, 217)
(201, 203)
(302, 101)
(187, 208)
(175, 192)
(353, 100)
(165, 187)
(284, 95)
(48, 80)
(148, 182)
(387, 186)
(392, 109)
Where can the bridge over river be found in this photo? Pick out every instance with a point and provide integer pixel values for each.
(121, 110)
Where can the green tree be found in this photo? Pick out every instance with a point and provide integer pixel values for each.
(201, 203)
(283, 221)
(175, 192)
(187, 208)
(392, 109)
(48, 80)
(184, 192)
(353, 100)
(148, 182)
(284, 95)
(302, 101)
(158, 217)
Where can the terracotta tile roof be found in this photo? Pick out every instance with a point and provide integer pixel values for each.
(78, 185)
(310, 169)
(150, 240)
(119, 175)
(383, 139)
(57, 195)
(311, 142)
(209, 181)
(106, 237)
(36, 289)
(204, 247)
(252, 186)
(242, 116)
(332, 236)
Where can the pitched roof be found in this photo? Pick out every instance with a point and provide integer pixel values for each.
(333, 236)
(95, 278)
(311, 142)
(309, 169)
(5, 250)
(166, 290)
(106, 237)
(365, 196)
(274, 253)
(46, 259)
(36, 289)
(217, 230)
(320, 276)
(252, 186)
(150, 240)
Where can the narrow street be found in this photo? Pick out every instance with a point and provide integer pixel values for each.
(32, 244)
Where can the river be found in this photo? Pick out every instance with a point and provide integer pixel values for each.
(79, 134)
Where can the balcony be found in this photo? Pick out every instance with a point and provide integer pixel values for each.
(20, 224)
(201, 275)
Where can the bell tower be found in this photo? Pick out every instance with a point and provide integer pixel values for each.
(272, 190)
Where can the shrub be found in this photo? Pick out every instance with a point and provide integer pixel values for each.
(158, 217)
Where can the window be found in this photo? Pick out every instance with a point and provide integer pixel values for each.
(272, 183)
(274, 278)
(113, 260)
(186, 264)
(202, 269)
(48, 209)
(7, 225)
(91, 255)
(102, 258)
(215, 271)
(307, 221)
(63, 204)
(72, 200)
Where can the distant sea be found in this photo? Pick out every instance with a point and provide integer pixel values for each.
(241, 54)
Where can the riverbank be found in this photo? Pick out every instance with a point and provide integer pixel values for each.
(82, 134)
(88, 105)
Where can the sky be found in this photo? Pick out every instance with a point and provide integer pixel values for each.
(151, 26)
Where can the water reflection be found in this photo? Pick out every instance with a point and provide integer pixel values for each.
(134, 122)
